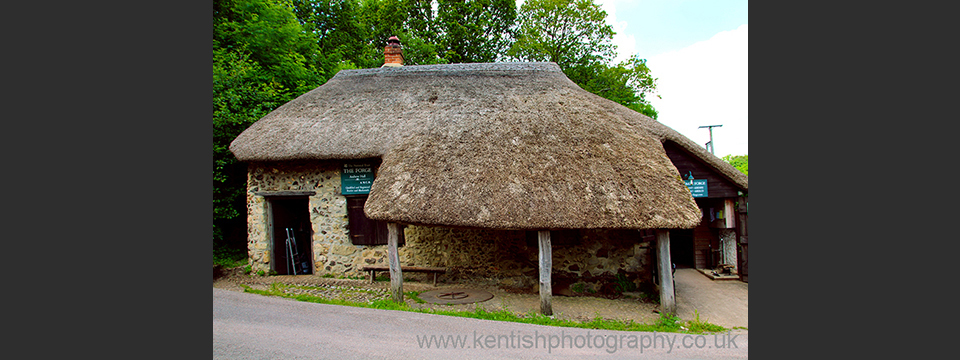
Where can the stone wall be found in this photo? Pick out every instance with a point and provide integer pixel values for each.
(500, 257)
(328, 213)
(728, 241)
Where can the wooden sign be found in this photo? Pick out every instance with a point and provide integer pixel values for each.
(698, 187)
(355, 179)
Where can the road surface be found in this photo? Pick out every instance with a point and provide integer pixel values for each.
(248, 326)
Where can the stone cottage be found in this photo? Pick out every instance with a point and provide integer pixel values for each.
(508, 171)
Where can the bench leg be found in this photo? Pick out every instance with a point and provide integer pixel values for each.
(372, 274)
(434, 279)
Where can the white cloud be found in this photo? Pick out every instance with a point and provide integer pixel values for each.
(626, 43)
(706, 84)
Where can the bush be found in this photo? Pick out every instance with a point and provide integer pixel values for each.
(227, 257)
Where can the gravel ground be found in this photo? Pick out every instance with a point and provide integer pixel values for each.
(580, 308)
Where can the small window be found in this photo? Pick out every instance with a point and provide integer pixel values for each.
(363, 230)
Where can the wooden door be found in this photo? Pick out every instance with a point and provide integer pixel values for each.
(742, 207)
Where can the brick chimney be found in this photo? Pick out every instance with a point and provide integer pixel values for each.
(393, 53)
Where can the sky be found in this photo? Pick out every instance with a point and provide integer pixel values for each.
(697, 50)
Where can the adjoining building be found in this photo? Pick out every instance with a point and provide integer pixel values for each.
(475, 163)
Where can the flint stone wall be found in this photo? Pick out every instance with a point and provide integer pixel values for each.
(501, 257)
(728, 239)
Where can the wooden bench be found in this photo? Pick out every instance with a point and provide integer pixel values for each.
(372, 269)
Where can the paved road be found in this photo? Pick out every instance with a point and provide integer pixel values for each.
(248, 326)
(721, 302)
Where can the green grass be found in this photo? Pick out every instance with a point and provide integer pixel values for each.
(352, 277)
(578, 287)
(228, 258)
(623, 284)
(414, 295)
(701, 326)
(666, 322)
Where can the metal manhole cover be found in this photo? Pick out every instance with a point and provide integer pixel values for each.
(455, 296)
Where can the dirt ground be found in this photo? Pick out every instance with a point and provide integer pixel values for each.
(579, 308)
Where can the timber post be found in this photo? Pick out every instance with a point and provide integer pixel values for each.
(396, 276)
(546, 266)
(668, 302)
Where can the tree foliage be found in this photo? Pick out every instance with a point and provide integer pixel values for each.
(337, 28)
(574, 34)
(570, 33)
(628, 83)
(738, 161)
(474, 30)
(262, 58)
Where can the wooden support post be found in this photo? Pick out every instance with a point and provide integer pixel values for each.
(396, 276)
(546, 266)
(668, 302)
(728, 214)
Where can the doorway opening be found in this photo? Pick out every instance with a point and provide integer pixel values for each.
(292, 254)
(681, 248)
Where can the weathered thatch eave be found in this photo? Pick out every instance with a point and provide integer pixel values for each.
(506, 146)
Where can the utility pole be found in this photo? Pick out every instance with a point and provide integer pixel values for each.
(710, 143)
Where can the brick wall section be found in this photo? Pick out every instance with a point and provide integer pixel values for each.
(393, 55)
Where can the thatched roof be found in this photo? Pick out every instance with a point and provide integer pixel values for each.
(504, 145)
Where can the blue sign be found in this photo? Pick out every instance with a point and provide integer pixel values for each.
(698, 187)
(355, 179)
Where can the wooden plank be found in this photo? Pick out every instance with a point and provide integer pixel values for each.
(396, 275)
(405, 268)
(271, 237)
(718, 186)
(729, 216)
(546, 266)
(668, 301)
(742, 253)
(702, 239)
(374, 268)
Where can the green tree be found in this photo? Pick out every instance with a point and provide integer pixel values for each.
(574, 34)
(262, 58)
(627, 83)
(570, 33)
(338, 31)
(473, 30)
(738, 161)
(439, 31)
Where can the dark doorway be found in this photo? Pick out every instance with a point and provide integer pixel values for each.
(681, 248)
(291, 236)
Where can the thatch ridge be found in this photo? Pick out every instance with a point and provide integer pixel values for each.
(504, 145)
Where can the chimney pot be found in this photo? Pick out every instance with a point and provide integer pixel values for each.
(393, 53)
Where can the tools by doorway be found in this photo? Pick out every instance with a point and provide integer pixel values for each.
(294, 255)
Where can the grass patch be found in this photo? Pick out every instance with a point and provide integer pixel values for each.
(666, 322)
(227, 257)
(623, 284)
(352, 277)
(415, 296)
(700, 326)
(578, 287)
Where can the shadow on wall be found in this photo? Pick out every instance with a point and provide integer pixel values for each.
(592, 262)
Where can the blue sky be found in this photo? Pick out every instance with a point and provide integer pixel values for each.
(697, 49)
